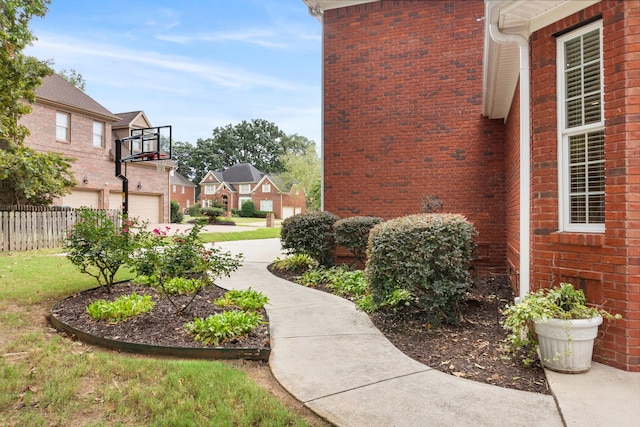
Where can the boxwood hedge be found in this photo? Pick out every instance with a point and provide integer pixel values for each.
(353, 234)
(428, 255)
(310, 233)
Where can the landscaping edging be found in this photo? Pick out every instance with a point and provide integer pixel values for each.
(158, 350)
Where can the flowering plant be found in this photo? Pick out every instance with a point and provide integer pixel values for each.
(182, 255)
(100, 243)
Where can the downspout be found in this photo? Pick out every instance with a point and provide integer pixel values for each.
(525, 151)
(319, 14)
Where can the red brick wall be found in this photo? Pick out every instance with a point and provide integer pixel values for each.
(606, 266)
(402, 116)
(186, 199)
(96, 164)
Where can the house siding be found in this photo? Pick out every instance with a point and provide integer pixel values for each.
(186, 199)
(96, 164)
(402, 117)
(605, 265)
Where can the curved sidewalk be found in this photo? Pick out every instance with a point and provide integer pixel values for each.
(333, 359)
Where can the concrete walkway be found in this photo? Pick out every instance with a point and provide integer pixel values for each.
(333, 359)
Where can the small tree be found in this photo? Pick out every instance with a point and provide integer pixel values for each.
(98, 245)
(185, 256)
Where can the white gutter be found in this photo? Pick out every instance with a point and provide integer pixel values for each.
(525, 144)
(318, 13)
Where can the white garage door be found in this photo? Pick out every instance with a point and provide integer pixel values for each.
(146, 208)
(143, 206)
(287, 211)
(78, 199)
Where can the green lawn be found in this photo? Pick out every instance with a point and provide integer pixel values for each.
(48, 379)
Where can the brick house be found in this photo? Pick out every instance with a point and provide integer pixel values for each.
(523, 116)
(182, 191)
(66, 120)
(242, 182)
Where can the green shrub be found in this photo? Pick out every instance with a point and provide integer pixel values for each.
(176, 213)
(223, 326)
(428, 255)
(310, 233)
(246, 299)
(194, 210)
(353, 234)
(184, 255)
(211, 213)
(248, 209)
(120, 309)
(260, 214)
(100, 243)
(296, 263)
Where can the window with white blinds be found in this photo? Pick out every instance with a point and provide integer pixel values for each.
(581, 130)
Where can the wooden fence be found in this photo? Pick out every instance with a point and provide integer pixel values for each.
(24, 228)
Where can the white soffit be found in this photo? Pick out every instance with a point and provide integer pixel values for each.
(317, 7)
(502, 61)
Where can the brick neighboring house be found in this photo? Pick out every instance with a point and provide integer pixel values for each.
(521, 115)
(182, 191)
(242, 182)
(66, 120)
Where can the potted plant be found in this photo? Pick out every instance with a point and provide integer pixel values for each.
(559, 324)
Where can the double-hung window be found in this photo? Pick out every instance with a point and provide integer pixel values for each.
(581, 130)
(98, 134)
(62, 126)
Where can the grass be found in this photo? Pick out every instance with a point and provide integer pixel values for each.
(47, 379)
(259, 233)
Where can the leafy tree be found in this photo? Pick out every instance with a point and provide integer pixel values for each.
(314, 195)
(27, 176)
(259, 142)
(20, 75)
(303, 168)
(73, 77)
(32, 177)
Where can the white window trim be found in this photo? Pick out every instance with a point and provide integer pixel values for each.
(266, 188)
(67, 126)
(101, 134)
(564, 214)
(209, 189)
(244, 188)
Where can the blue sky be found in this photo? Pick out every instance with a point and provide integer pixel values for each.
(192, 64)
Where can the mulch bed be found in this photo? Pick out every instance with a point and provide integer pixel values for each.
(472, 349)
(161, 326)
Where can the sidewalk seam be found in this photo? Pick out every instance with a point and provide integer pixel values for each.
(369, 384)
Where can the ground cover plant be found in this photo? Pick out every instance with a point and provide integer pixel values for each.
(122, 308)
(48, 379)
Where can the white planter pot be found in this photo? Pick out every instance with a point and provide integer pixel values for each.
(567, 345)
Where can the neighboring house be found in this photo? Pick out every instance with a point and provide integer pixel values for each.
(521, 115)
(66, 120)
(182, 191)
(243, 182)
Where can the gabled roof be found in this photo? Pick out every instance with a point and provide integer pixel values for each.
(177, 179)
(502, 61)
(58, 92)
(242, 173)
(128, 120)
